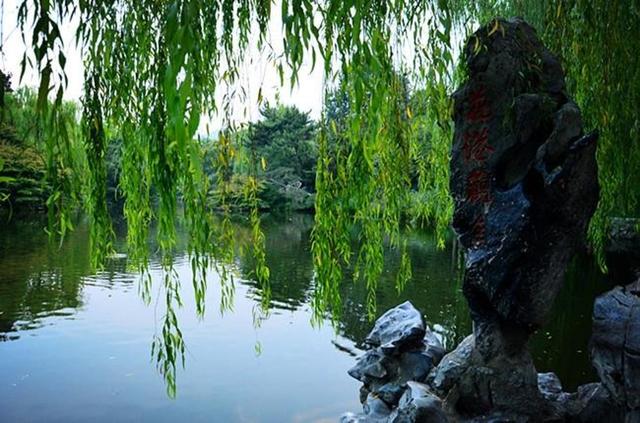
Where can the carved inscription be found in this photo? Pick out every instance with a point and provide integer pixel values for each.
(475, 152)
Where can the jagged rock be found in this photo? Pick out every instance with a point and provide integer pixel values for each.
(399, 327)
(592, 404)
(385, 374)
(361, 418)
(431, 341)
(404, 350)
(524, 182)
(624, 236)
(615, 344)
(451, 367)
(549, 385)
(390, 393)
(505, 384)
(371, 366)
(376, 369)
(374, 411)
(375, 407)
(523, 175)
(350, 417)
(623, 249)
(418, 405)
(416, 365)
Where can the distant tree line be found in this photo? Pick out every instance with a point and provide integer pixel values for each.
(279, 149)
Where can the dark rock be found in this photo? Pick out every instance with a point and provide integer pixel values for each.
(624, 237)
(374, 411)
(451, 367)
(415, 365)
(592, 404)
(504, 383)
(375, 407)
(615, 344)
(524, 176)
(524, 182)
(385, 374)
(399, 327)
(371, 366)
(350, 417)
(432, 343)
(549, 385)
(418, 405)
(377, 370)
(361, 418)
(623, 249)
(390, 393)
(404, 350)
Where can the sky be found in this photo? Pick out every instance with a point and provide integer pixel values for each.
(307, 95)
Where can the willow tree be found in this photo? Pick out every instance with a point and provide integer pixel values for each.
(155, 68)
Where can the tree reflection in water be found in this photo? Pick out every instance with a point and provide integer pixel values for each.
(41, 280)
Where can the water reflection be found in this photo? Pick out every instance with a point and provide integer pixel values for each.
(38, 279)
(43, 285)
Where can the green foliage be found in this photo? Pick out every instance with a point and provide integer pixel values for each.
(23, 150)
(283, 144)
(22, 178)
(19, 123)
(281, 150)
(113, 162)
(602, 63)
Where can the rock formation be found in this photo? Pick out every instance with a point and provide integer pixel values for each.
(623, 249)
(615, 346)
(397, 389)
(524, 182)
(403, 351)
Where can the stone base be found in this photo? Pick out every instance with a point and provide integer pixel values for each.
(406, 379)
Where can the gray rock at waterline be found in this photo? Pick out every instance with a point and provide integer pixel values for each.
(386, 375)
(399, 327)
(418, 405)
(376, 407)
(549, 385)
(416, 365)
(403, 351)
(360, 418)
(370, 367)
(623, 249)
(432, 341)
(352, 418)
(591, 404)
(390, 393)
(375, 410)
(452, 365)
(615, 344)
(624, 237)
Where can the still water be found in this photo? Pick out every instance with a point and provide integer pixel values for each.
(76, 346)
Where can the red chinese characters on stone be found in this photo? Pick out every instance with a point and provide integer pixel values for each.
(475, 152)
(479, 186)
(478, 229)
(479, 111)
(475, 145)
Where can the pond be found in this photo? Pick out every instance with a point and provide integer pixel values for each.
(76, 346)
